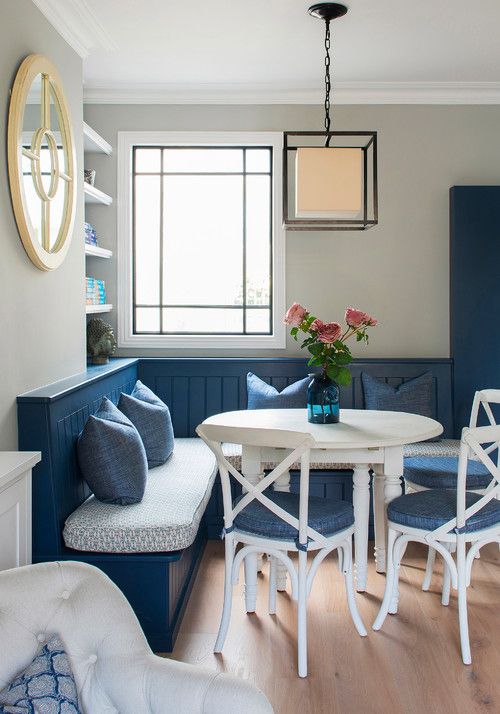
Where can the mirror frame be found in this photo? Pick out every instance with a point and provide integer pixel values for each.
(32, 66)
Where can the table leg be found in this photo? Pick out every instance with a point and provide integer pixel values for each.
(393, 471)
(252, 470)
(380, 517)
(282, 484)
(361, 503)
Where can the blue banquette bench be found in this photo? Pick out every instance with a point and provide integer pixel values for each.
(50, 419)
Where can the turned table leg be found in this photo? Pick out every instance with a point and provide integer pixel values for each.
(361, 503)
(282, 484)
(252, 471)
(380, 518)
(393, 471)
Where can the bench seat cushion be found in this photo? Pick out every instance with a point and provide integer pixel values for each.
(168, 516)
(443, 447)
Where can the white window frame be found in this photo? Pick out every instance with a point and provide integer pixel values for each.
(126, 141)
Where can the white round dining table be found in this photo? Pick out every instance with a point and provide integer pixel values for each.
(364, 440)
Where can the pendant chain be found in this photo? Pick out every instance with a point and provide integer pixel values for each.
(328, 83)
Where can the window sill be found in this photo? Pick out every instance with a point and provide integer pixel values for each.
(207, 342)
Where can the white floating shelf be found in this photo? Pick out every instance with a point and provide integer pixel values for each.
(93, 143)
(94, 195)
(98, 252)
(94, 309)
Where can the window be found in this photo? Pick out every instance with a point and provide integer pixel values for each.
(201, 243)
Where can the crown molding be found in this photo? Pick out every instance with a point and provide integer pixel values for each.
(77, 24)
(344, 93)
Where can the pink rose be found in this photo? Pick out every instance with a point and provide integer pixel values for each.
(295, 315)
(317, 325)
(354, 318)
(329, 332)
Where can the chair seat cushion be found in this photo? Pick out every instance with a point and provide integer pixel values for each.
(326, 515)
(441, 472)
(168, 516)
(428, 510)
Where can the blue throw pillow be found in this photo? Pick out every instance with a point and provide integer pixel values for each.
(112, 457)
(263, 396)
(151, 418)
(415, 396)
(46, 685)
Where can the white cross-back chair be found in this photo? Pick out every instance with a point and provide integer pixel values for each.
(277, 523)
(443, 518)
(483, 398)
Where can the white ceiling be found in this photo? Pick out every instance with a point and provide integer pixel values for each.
(251, 49)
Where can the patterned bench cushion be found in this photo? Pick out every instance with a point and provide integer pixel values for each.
(443, 447)
(167, 518)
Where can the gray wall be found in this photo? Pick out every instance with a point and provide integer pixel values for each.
(42, 324)
(398, 270)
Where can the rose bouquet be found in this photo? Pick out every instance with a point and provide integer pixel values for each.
(326, 341)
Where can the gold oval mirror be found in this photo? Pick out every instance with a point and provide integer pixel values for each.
(42, 165)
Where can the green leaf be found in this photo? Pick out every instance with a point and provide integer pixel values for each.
(294, 331)
(344, 377)
(333, 371)
(315, 348)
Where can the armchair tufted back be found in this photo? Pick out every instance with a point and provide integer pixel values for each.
(114, 668)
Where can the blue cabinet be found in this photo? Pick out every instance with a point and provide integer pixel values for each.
(474, 293)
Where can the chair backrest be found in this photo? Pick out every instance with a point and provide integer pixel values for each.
(471, 448)
(297, 445)
(484, 398)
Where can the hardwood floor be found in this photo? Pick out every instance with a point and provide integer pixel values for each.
(412, 666)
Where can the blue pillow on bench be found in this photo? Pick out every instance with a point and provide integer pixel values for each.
(415, 396)
(151, 418)
(264, 396)
(112, 457)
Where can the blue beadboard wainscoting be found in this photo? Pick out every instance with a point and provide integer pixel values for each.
(50, 419)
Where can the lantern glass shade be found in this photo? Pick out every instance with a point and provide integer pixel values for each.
(333, 186)
(329, 182)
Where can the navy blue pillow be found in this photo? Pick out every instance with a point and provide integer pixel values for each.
(263, 396)
(151, 418)
(47, 684)
(112, 457)
(415, 396)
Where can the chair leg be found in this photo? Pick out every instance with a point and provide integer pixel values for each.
(273, 567)
(389, 583)
(462, 601)
(346, 560)
(302, 615)
(251, 582)
(429, 569)
(399, 550)
(445, 595)
(228, 594)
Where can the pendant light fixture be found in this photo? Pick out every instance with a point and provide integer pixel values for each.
(329, 177)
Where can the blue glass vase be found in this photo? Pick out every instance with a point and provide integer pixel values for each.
(322, 400)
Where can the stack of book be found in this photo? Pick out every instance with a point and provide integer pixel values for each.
(95, 291)
(90, 236)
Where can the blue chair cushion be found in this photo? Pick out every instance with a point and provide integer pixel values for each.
(262, 395)
(441, 472)
(431, 509)
(151, 418)
(46, 685)
(415, 396)
(112, 457)
(326, 515)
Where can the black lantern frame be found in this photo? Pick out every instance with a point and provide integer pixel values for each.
(364, 140)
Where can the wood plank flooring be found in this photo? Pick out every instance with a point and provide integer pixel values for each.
(412, 666)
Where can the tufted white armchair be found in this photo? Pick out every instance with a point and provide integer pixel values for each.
(114, 667)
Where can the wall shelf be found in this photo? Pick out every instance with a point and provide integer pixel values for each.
(95, 309)
(93, 143)
(97, 252)
(95, 195)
